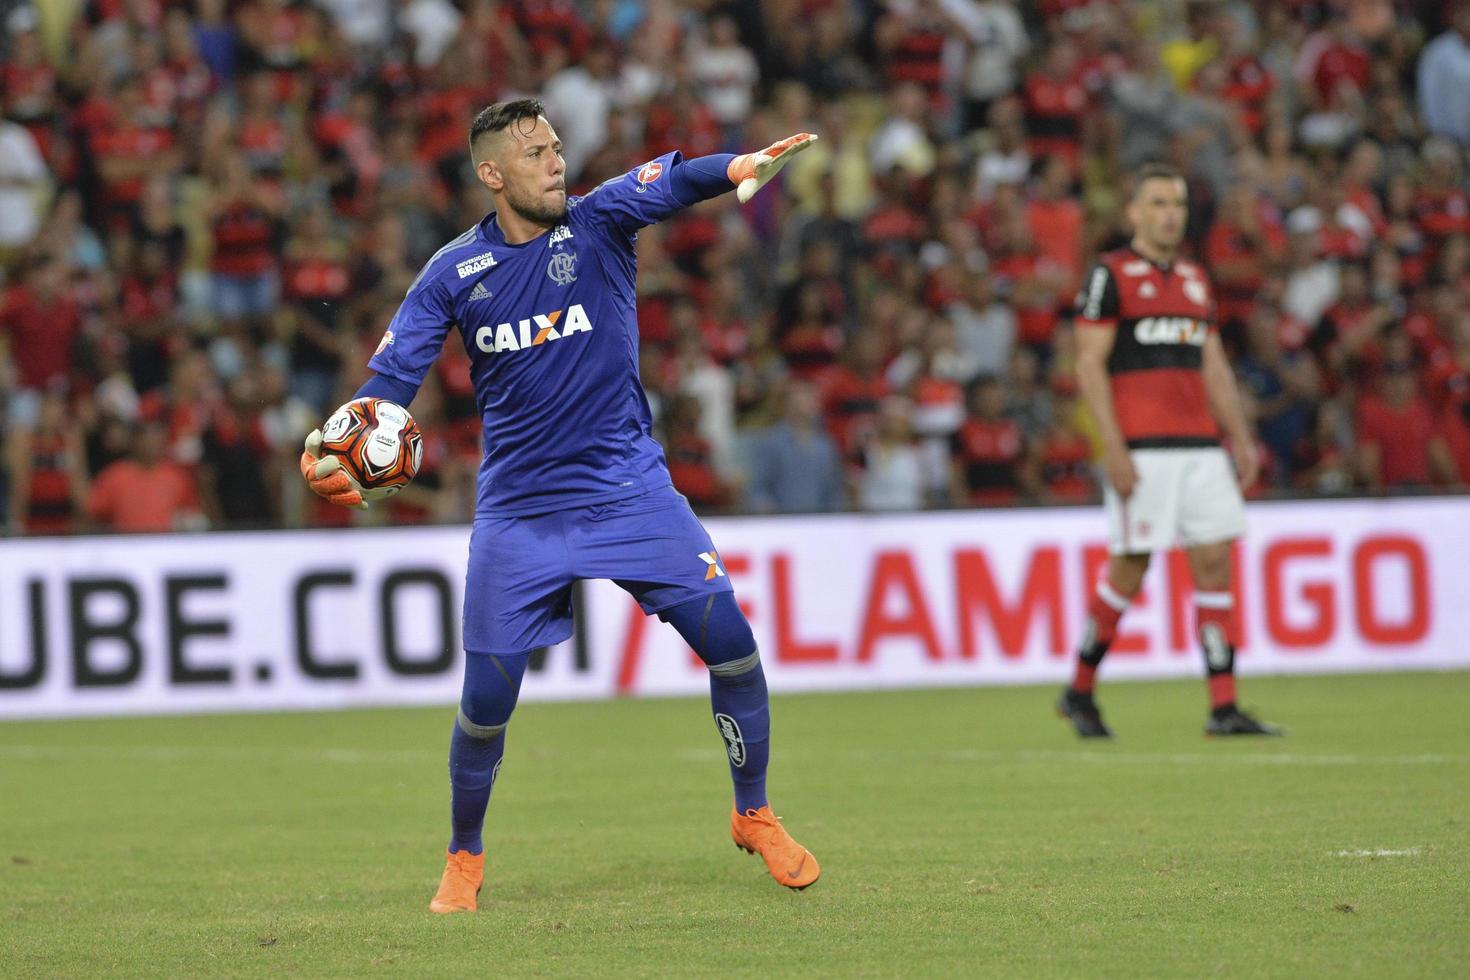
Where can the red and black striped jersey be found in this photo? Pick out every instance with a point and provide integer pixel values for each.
(1161, 315)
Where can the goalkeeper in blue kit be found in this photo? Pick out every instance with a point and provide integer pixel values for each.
(573, 484)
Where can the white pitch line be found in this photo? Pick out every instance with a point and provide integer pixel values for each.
(1204, 758)
(1381, 852)
(701, 755)
(181, 753)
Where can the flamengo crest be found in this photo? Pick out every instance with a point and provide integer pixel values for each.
(563, 268)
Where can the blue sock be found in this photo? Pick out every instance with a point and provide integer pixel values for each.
(743, 717)
(716, 629)
(491, 685)
(473, 765)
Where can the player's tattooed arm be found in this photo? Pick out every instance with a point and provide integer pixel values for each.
(1225, 406)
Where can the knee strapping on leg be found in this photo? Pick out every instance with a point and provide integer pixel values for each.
(492, 683)
(716, 630)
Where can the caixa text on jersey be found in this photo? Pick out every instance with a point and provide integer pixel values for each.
(533, 331)
(1170, 330)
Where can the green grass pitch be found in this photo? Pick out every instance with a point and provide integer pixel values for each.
(961, 833)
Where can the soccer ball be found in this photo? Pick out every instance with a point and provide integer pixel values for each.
(379, 444)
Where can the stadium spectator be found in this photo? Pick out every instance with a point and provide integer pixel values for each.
(997, 43)
(892, 476)
(130, 146)
(581, 97)
(691, 457)
(244, 218)
(1324, 463)
(795, 467)
(432, 25)
(1243, 245)
(1454, 430)
(149, 314)
(853, 391)
(1397, 443)
(1444, 79)
(40, 324)
(1056, 103)
(1054, 218)
(147, 491)
(1034, 283)
(1248, 84)
(1312, 279)
(700, 376)
(1350, 332)
(933, 371)
(991, 462)
(216, 38)
(902, 140)
(24, 177)
(1004, 159)
(911, 39)
(1145, 107)
(235, 475)
(1064, 451)
(47, 467)
(984, 326)
(1026, 401)
(1449, 373)
(318, 283)
(727, 74)
(1286, 178)
(28, 82)
(826, 226)
(821, 56)
(1284, 387)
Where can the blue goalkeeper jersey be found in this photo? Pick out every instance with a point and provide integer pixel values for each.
(551, 328)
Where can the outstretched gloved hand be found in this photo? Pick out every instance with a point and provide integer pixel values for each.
(749, 172)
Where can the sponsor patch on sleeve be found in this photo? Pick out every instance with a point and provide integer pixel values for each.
(650, 172)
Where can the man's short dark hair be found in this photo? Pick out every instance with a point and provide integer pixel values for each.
(1154, 171)
(501, 115)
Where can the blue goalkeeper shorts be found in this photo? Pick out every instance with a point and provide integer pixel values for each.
(518, 590)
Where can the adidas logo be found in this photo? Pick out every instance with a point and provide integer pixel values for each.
(479, 292)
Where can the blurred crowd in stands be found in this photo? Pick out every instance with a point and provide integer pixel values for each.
(209, 210)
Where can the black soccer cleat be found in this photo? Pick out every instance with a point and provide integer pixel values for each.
(1081, 710)
(1230, 720)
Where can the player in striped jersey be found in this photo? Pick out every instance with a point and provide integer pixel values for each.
(1155, 377)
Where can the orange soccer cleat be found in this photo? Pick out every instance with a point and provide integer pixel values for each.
(464, 873)
(760, 832)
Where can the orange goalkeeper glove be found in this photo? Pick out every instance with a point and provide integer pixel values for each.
(749, 172)
(326, 477)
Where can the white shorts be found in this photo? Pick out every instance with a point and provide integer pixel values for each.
(1183, 496)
